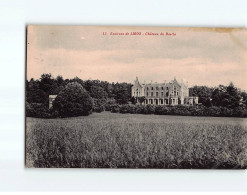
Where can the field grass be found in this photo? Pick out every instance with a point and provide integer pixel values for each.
(114, 140)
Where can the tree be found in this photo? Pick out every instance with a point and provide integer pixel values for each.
(141, 99)
(97, 92)
(34, 93)
(46, 83)
(122, 92)
(226, 96)
(133, 100)
(203, 93)
(243, 95)
(73, 100)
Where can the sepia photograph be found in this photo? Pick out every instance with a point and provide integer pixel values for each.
(135, 97)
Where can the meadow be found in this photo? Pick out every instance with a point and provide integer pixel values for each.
(114, 140)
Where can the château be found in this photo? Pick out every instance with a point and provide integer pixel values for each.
(171, 93)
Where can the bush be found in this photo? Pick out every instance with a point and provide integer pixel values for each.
(183, 110)
(239, 112)
(139, 109)
(72, 101)
(39, 110)
(197, 110)
(225, 111)
(149, 109)
(213, 111)
(109, 104)
(124, 109)
(115, 108)
(99, 105)
(159, 110)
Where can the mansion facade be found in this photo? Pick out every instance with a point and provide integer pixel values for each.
(172, 93)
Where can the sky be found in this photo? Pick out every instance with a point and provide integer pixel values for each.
(200, 56)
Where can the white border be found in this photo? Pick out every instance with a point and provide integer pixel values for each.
(16, 14)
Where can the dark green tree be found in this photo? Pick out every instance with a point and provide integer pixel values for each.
(226, 96)
(141, 99)
(97, 92)
(204, 94)
(73, 100)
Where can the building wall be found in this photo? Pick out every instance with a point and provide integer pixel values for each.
(172, 93)
(51, 99)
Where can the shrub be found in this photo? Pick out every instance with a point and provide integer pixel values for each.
(197, 110)
(159, 110)
(115, 108)
(132, 108)
(225, 111)
(124, 109)
(213, 111)
(98, 109)
(149, 109)
(109, 104)
(73, 100)
(99, 105)
(139, 109)
(38, 110)
(239, 112)
(183, 110)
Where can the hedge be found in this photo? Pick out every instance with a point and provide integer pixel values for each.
(184, 110)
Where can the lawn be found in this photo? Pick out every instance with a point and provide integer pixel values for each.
(113, 140)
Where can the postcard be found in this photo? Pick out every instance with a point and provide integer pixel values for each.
(136, 97)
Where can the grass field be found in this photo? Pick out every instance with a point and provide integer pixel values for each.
(113, 140)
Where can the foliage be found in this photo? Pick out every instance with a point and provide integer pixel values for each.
(73, 100)
(38, 91)
(230, 100)
(99, 105)
(141, 99)
(183, 110)
(226, 96)
(122, 93)
(115, 108)
(97, 92)
(110, 102)
(204, 94)
(39, 110)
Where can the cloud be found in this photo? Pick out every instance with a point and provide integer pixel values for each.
(203, 58)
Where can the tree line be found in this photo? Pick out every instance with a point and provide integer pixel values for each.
(38, 91)
(115, 96)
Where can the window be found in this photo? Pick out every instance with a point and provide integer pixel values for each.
(157, 88)
(147, 93)
(152, 88)
(152, 93)
(157, 94)
(162, 94)
(167, 88)
(162, 88)
(147, 88)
